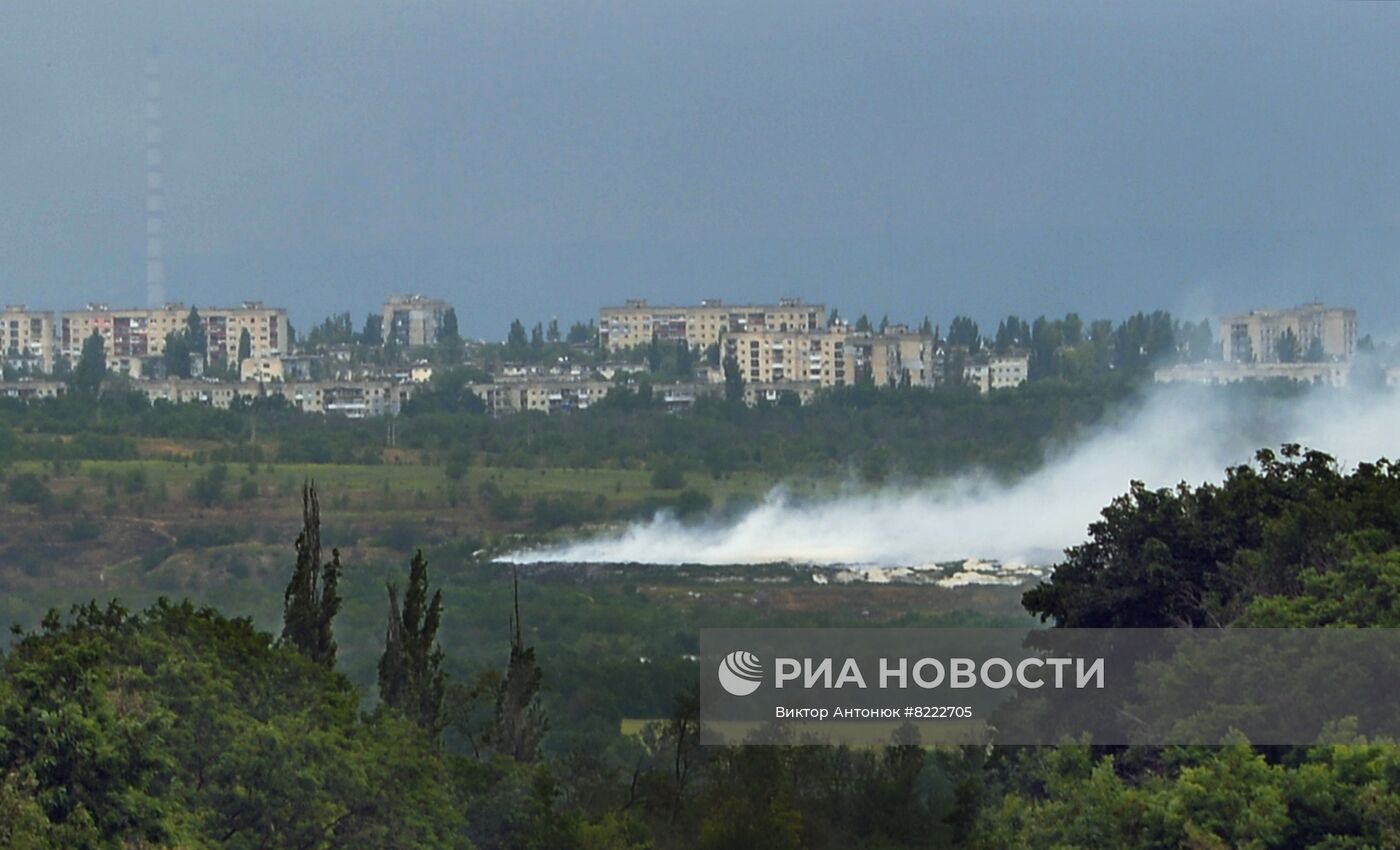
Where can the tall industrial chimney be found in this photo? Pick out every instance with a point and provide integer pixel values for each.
(155, 200)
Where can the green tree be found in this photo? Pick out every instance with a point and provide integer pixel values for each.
(178, 727)
(372, 334)
(712, 355)
(458, 462)
(1197, 556)
(667, 476)
(178, 353)
(449, 338)
(312, 598)
(516, 342)
(1073, 329)
(962, 331)
(1200, 342)
(685, 360)
(1012, 333)
(196, 335)
(208, 489)
(91, 370)
(245, 346)
(449, 391)
(1142, 341)
(733, 380)
(520, 721)
(1286, 349)
(410, 669)
(581, 333)
(26, 488)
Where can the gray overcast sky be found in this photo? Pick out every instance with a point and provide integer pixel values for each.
(540, 159)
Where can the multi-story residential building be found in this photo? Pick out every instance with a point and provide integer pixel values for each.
(989, 372)
(262, 370)
(280, 367)
(351, 399)
(1319, 332)
(413, 321)
(895, 356)
(831, 357)
(773, 356)
(701, 326)
(26, 339)
(542, 394)
(801, 391)
(31, 390)
(132, 334)
(915, 354)
(224, 326)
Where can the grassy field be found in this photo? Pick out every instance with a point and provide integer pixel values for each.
(385, 485)
(176, 525)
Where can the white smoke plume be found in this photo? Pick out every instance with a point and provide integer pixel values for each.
(1178, 434)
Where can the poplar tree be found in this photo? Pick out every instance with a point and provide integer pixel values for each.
(520, 721)
(312, 600)
(410, 670)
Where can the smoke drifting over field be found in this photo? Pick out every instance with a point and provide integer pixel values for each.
(1179, 434)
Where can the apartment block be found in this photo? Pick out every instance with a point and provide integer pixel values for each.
(26, 339)
(832, 357)
(31, 390)
(350, 399)
(772, 394)
(774, 356)
(894, 357)
(132, 334)
(267, 330)
(1322, 333)
(989, 372)
(263, 369)
(701, 326)
(413, 321)
(543, 395)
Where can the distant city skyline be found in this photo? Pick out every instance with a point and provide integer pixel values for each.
(540, 162)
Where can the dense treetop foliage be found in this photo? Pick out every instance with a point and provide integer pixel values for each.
(176, 727)
(1199, 556)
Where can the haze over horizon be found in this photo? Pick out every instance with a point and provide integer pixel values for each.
(540, 161)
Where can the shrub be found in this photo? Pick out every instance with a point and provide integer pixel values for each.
(668, 477)
(80, 530)
(26, 488)
(208, 489)
(692, 502)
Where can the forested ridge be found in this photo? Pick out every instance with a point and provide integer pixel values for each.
(179, 727)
